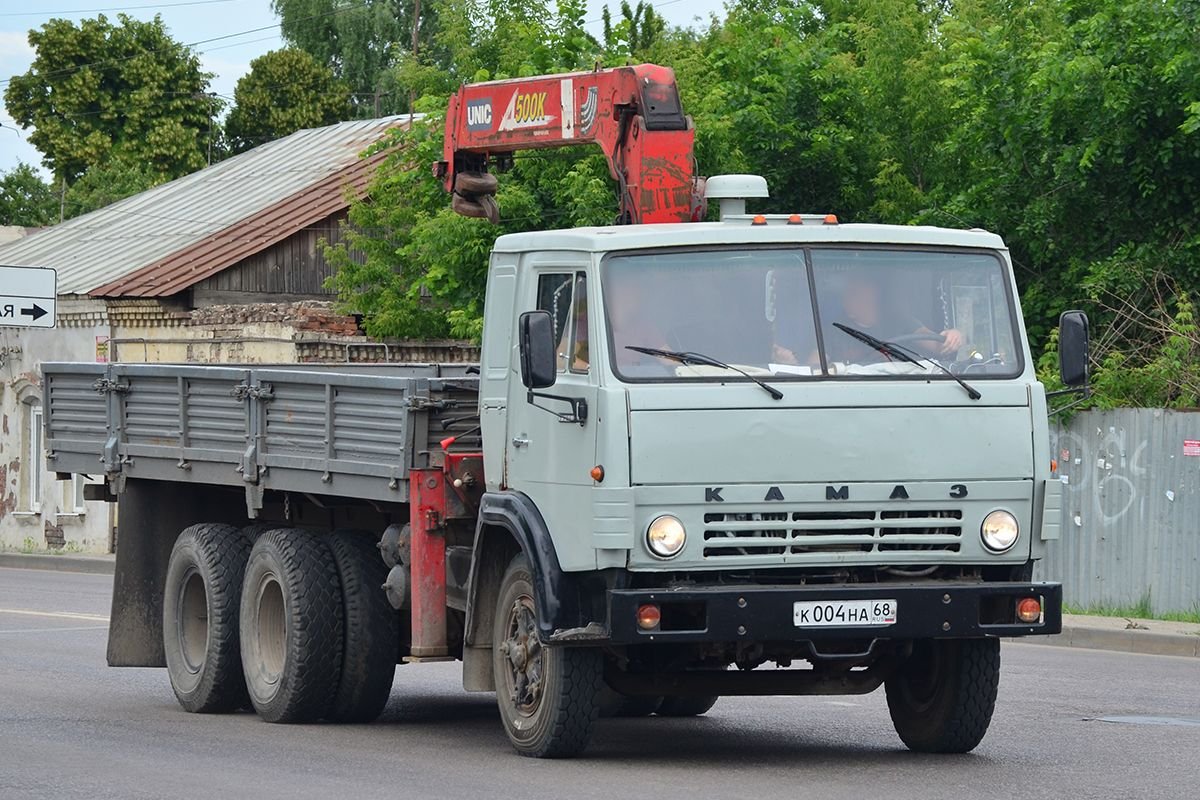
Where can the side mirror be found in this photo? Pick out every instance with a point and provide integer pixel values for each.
(1073, 348)
(539, 362)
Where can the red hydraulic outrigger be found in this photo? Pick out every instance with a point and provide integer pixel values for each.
(633, 113)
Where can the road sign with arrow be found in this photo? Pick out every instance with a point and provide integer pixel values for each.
(27, 297)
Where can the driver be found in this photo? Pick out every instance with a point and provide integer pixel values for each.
(634, 321)
(863, 308)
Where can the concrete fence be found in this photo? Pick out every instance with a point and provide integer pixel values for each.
(1131, 509)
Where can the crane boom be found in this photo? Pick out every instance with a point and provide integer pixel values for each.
(633, 114)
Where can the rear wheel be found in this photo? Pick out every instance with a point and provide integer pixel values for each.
(371, 629)
(548, 696)
(201, 598)
(941, 699)
(686, 705)
(257, 529)
(291, 626)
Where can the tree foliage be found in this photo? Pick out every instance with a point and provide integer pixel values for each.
(420, 269)
(636, 31)
(99, 87)
(119, 176)
(1070, 127)
(27, 200)
(361, 42)
(284, 91)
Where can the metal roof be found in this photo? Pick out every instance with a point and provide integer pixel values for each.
(735, 232)
(167, 238)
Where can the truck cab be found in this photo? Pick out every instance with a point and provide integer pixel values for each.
(772, 439)
(860, 461)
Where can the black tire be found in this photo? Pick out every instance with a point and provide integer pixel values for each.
(291, 626)
(201, 599)
(941, 699)
(371, 630)
(257, 529)
(475, 183)
(686, 705)
(548, 696)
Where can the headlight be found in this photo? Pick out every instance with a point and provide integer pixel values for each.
(665, 536)
(999, 531)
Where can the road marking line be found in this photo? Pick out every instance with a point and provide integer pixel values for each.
(55, 630)
(55, 614)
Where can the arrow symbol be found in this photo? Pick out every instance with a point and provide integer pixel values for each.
(37, 312)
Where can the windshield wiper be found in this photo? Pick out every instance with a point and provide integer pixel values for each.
(684, 357)
(899, 351)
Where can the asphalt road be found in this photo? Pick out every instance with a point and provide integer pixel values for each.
(72, 727)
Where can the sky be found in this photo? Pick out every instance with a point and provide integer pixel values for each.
(242, 30)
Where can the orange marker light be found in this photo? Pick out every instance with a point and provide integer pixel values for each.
(1053, 465)
(648, 617)
(1029, 609)
(831, 219)
(759, 219)
(597, 473)
(795, 219)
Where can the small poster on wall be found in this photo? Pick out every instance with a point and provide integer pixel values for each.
(1191, 447)
(101, 349)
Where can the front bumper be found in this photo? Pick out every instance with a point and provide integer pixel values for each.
(755, 613)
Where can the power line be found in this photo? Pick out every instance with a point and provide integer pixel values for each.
(237, 44)
(113, 8)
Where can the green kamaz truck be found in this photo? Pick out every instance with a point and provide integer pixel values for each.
(765, 455)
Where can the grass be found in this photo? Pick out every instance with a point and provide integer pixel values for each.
(1143, 609)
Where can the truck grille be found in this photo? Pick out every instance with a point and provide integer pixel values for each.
(781, 533)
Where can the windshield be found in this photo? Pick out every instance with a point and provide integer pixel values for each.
(768, 312)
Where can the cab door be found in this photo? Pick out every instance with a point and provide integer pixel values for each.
(548, 459)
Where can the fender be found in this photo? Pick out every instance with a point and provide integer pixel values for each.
(556, 593)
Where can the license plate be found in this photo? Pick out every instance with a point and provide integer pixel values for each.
(843, 613)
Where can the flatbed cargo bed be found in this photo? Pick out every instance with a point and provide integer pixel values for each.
(352, 430)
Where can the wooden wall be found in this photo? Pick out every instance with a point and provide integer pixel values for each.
(294, 269)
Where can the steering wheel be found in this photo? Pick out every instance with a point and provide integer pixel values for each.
(927, 336)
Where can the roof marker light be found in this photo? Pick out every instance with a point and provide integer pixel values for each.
(759, 219)
(795, 219)
(831, 219)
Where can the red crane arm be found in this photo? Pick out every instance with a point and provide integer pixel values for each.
(633, 113)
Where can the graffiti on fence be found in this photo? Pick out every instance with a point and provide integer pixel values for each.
(1111, 470)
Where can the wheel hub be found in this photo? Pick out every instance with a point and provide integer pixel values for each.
(192, 621)
(523, 651)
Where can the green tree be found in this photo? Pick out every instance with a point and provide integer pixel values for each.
(95, 87)
(636, 31)
(1070, 127)
(361, 42)
(413, 267)
(284, 91)
(1078, 141)
(27, 200)
(119, 176)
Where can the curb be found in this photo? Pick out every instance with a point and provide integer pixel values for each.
(93, 565)
(1123, 640)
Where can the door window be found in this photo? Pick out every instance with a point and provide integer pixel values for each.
(564, 295)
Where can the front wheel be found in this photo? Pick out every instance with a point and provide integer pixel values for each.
(548, 696)
(942, 697)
